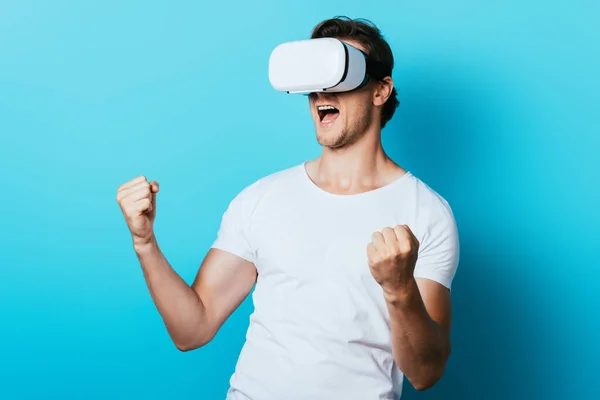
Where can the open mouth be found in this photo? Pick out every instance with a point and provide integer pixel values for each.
(327, 113)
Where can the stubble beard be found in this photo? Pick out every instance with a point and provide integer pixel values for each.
(348, 135)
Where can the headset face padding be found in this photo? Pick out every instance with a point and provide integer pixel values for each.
(317, 65)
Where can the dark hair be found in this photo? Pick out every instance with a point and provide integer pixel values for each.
(378, 50)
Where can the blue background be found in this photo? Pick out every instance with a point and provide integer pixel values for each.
(499, 114)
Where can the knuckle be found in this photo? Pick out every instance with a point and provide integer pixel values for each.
(406, 245)
(404, 252)
(121, 198)
(401, 229)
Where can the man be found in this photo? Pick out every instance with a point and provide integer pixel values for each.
(352, 257)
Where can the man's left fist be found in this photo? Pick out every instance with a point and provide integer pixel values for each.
(392, 256)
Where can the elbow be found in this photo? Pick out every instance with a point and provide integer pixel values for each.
(183, 347)
(192, 337)
(186, 345)
(429, 376)
(426, 381)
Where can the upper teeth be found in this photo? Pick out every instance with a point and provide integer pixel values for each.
(322, 108)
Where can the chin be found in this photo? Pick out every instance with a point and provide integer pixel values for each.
(331, 139)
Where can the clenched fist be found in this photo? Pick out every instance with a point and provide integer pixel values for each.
(392, 256)
(137, 199)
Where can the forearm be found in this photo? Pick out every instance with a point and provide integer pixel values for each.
(421, 346)
(180, 307)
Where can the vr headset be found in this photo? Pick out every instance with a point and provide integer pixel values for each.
(321, 65)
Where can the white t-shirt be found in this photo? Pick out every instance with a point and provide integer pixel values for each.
(320, 327)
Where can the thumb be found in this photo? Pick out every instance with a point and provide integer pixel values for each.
(154, 187)
(154, 190)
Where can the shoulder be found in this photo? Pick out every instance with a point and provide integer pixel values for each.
(429, 202)
(251, 195)
(434, 218)
(436, 229)
(263, 185)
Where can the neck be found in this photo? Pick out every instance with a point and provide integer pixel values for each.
(357, 168)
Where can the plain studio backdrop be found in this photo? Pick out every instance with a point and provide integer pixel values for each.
(499, 114)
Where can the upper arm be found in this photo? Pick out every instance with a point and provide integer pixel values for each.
(437, 301)
(223, 281)
(228, 273)
(437, 263)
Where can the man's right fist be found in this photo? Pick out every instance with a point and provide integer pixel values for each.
(137, 199)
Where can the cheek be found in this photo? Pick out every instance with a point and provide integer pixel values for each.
(358, 107)
(355, 113)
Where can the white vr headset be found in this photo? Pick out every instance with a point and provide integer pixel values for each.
(320, 65)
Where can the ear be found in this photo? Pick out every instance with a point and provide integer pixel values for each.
(383, 90)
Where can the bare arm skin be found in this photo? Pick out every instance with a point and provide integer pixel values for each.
(419, 309)
(194, 314)
(420, 318)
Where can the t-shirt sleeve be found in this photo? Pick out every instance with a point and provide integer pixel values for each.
(439, 250)
(232, 235)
